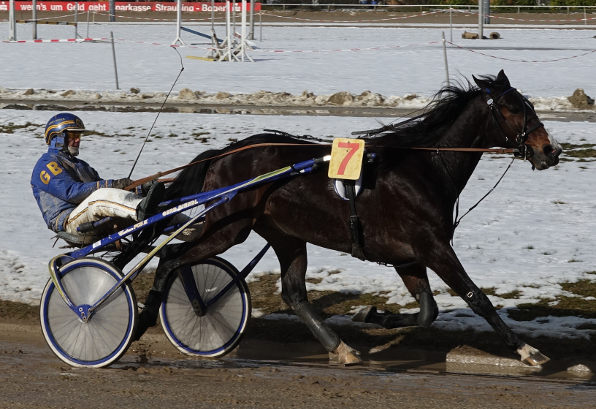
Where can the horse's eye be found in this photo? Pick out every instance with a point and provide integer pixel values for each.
(514, 109)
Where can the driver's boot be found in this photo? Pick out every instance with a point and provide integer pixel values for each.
(147, 207)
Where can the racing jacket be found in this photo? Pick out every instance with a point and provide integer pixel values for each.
(60, 182)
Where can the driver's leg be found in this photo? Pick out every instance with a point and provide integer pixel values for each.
(114, 203)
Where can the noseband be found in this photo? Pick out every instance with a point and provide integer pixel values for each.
(521, 137)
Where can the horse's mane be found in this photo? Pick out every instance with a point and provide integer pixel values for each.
(428, 128)
(424, 130)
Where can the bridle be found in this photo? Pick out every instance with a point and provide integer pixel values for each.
(524, 151)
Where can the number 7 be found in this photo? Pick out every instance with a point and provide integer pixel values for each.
(353, 147)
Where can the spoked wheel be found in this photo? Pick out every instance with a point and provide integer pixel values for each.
(105, 337)
(217, 329)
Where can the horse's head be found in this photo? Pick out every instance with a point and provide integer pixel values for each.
(516, 124)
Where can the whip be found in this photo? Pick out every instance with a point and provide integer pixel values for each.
(158, 112)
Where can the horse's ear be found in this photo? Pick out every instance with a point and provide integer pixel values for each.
(490, 86)
(502, 80)
(484, 85)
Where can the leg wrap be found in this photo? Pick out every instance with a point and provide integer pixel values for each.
(320, 330)
(478, 301)
(428, 310)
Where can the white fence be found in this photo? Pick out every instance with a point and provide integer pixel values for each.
(406, 7)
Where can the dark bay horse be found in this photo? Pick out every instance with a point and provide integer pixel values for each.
(405, 209)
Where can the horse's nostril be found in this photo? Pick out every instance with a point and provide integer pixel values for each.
(548, 150)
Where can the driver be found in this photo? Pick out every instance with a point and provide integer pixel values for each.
(69, 192)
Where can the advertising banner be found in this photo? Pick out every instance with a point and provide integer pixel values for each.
(121, 6)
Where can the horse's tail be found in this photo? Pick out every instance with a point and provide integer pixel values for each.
(190, 180)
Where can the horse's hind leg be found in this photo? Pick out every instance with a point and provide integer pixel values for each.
(416, 281)
(172, 257)
(291, 253)
(148, 316)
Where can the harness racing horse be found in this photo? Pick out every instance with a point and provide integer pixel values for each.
(405, 209)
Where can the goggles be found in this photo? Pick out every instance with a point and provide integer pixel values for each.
(73, 135)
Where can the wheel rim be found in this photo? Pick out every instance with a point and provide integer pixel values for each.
(220, 326)
(106, 331)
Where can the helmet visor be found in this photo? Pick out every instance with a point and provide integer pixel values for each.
(73, 134)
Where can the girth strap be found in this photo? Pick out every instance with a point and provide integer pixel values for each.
(357, 249)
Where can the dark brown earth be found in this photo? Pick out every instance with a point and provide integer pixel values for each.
(279, 364)
(267, 374)
(30, 377)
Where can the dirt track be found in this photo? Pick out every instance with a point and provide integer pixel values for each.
(153, 375)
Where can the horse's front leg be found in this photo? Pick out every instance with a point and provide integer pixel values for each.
(441, 258)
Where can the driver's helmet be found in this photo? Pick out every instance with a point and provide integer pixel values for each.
(58, 124)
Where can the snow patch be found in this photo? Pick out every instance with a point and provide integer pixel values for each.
(260, 98)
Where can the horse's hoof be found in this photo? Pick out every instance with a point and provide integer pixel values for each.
(364, 313)
(532, 356)
(346, 355)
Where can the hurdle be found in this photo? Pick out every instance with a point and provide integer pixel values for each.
(207, 36)
(12, 22)
(230, 49)
(58, 23)
(243, 44)
(55, 23)
(221, 50)
(215, 43)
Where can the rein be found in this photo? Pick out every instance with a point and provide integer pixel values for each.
(157, 175)
(456, 222)
(486, 150)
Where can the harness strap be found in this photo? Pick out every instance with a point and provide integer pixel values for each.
(157, 175)
(486, 150)
(354, 223)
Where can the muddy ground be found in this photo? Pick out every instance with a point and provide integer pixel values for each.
(32, 378)
(279, 364)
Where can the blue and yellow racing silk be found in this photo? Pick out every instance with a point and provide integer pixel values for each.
(60, 182)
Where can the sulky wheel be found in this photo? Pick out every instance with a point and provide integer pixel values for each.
(216, 328)
(105, 337)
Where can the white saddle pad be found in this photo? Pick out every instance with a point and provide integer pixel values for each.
(340, 188)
